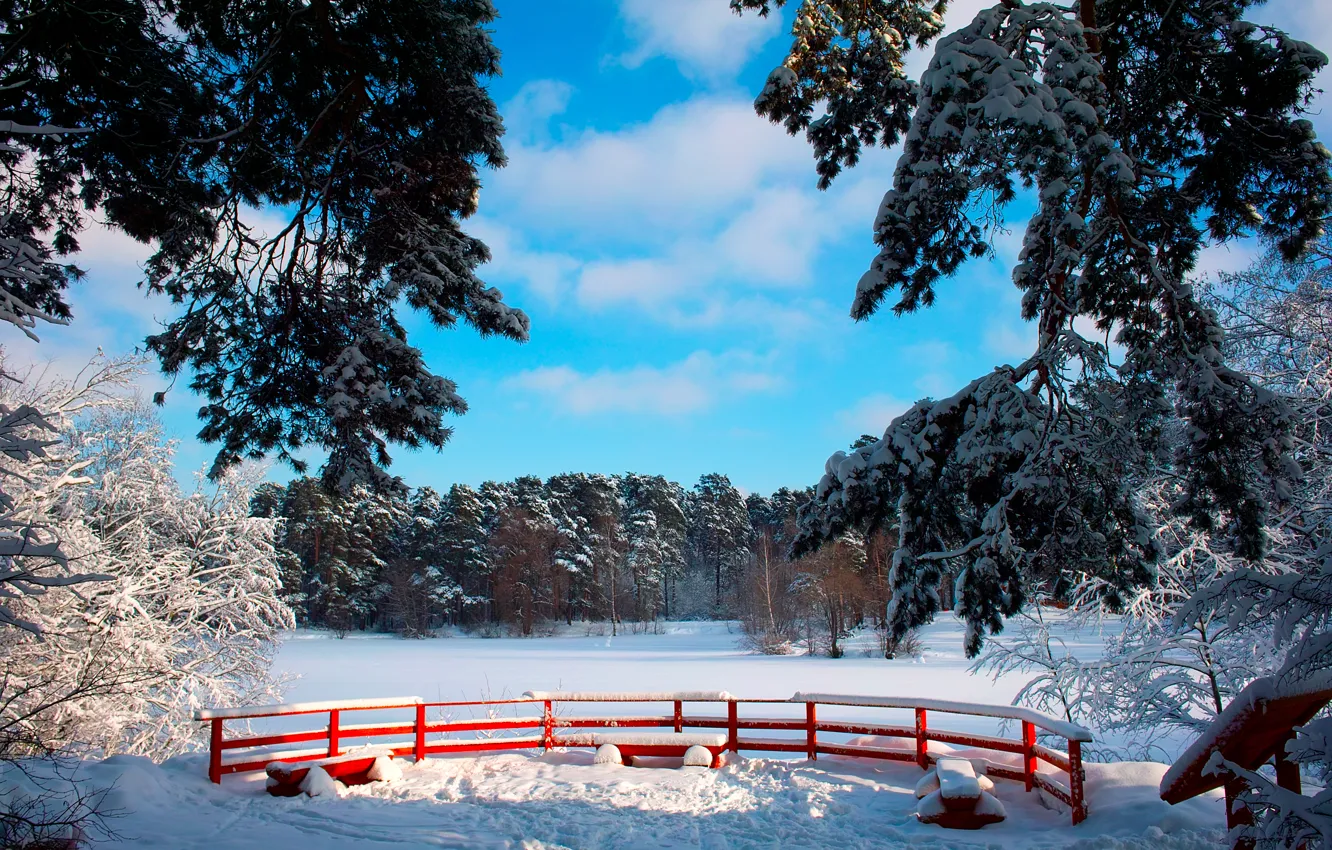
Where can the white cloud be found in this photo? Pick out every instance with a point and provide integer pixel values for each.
(687, 169)
(546, 274)
(704, 37)
(694, 384)
(872, 414)
(527, 114)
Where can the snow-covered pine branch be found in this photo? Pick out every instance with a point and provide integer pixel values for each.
(1029, 470)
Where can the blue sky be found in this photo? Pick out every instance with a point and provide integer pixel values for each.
(688, 284)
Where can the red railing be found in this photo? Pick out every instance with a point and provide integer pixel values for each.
(413, 733)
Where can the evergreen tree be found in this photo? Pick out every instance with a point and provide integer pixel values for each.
(1143, 132)
(655, 532)
(364, 126)
(525, 540)
(464, 550)
(719, 532)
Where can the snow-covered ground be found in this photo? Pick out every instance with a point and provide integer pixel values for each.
(697, 656)
(561, 799)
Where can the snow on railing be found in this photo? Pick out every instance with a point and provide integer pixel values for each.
(629, 696)
(303, 708)
(1062, 728)
(540, 731)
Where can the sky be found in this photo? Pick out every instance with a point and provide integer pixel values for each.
(688, 284)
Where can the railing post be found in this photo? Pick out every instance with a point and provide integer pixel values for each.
(679, 716)
(1075, 781)
(1287, 771)
(922, 740)
(548, 729)
(1029, 752)
(419, 752)
(333, 733)
(732, 727)
(215, 752)
(811, 734)
(1238, 814)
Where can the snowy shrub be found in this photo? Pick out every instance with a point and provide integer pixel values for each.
(893, 646)
(189, 612)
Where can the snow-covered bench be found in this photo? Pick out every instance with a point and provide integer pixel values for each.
(357, 766)
(953, 795)
(630, 744)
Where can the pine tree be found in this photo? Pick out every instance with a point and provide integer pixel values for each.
(525, 539)
(365, 130)
(655, 532)
(719, 532)
(1142, 132)
(464, 550)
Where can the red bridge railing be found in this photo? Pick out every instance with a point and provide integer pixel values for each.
(541, 728)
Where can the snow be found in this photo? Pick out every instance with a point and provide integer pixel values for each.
(629, 696)
(608, 754)
(929, 781)
(1071, 731)
(303, 707)
(698, 757)
(957, 779)
(561, 799)
(385, 769)
(646, 739)
(350, 755)
(317, 783)
(936, 805)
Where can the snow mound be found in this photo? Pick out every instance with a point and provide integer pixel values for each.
(608, 754)
(957, 780)
(317, 783)
(698, 757)
(385, 769)
(935, 809)
(929, 783)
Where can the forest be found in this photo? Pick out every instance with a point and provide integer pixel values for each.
(516, 557)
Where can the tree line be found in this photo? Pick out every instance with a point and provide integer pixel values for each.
(525, 554)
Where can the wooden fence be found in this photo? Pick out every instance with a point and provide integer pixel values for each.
(541, 728)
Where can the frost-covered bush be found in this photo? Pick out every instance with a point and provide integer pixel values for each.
(189, 610)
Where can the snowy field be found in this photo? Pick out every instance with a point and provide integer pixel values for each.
(562, 800)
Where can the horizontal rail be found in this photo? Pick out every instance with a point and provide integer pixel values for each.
(483, 725)
(1053, 757)
(592, 722)
(295, 708)
(1052, 789)
(865, 729)
(867, 752)
(984, 742)
(772, 745)
(1054, 725)
(542, 729)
